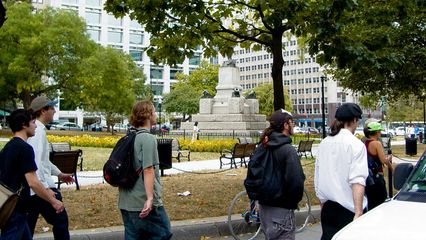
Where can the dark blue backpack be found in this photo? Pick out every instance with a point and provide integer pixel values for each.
(262, 182)
(119, 170)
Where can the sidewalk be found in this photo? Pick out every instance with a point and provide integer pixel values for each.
(194, 229)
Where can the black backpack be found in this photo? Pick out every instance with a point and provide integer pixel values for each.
(119, 170)
(262, 182)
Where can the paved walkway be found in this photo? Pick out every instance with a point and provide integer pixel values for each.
(95, 177)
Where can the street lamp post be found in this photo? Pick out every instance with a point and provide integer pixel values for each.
(424, 117)
(323, 78)
(159, 109)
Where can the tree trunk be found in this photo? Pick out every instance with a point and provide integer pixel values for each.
(277, 70)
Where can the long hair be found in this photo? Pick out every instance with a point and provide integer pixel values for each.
(336, 125)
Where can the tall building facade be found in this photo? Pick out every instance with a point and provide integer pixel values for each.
(127, 35)
(301, 78)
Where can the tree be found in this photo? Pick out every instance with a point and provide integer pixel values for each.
(406, 109)
(264, 93)
(110, 89)
(178, 27)
(375, 47)
(2, 14)
(40, 53)
(185, 95)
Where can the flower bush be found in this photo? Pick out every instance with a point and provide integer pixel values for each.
(110, 141)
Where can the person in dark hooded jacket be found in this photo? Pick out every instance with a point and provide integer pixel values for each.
(277, 216)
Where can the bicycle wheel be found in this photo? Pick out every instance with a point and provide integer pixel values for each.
(243, 218)
(303, 212)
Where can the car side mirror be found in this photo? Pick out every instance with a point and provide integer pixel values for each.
(401, 173)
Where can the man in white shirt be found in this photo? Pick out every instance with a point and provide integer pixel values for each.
(43, 109)
(340, 172)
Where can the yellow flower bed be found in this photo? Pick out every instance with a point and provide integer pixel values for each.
(110, 141)
(86, 140)
(207, 145)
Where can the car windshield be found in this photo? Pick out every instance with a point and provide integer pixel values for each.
(415, 189)
(417, 182)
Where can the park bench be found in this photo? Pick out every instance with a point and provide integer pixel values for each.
(236, 152)
(304, 147)
(65, 146)
(240, 151)
(248, 151)
(178, 152)
(67, 162)
(245, 140)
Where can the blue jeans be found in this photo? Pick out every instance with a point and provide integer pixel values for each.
(156, 226)
(16, 228)
(59, 221)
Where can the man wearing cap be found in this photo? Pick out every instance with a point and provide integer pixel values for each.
(340, 172)
(43, 109)
(376, 186)
(277, 216)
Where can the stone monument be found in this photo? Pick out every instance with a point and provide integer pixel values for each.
(228, 110)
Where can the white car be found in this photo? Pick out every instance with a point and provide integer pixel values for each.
(400, 218)
(67, 126)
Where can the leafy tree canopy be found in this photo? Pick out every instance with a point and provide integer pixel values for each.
(111, 88)
(179, 27)
(264, 94)
(185, 95)
(40, 52)
(372, 47)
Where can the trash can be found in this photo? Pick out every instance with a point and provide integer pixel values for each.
(410, 146)
(164, 147)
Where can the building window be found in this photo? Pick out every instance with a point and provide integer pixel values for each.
(112, 21)
(265, 75)
(135, 24)
(70, 1)
(136, 38)
(156, 73)
(115, 37)
(94, 33)
(136, 54)
(174, 71)
(241, 69)
(195, 60)
(93, 17)
(157, 88)
(96, 3)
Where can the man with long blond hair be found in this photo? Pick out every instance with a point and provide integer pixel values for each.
(141, 207)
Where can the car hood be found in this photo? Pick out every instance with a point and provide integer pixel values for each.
(390, 221)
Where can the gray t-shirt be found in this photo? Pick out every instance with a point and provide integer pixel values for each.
(145, 155)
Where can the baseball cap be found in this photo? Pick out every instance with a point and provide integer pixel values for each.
(374, 126)
(348, 111)
(279, 117)
(41, 102)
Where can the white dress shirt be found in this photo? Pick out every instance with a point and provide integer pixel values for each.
(41, 151)
(341, 162)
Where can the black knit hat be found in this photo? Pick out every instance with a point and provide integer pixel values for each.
(348, 111)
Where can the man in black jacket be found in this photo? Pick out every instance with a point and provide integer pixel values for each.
(277, 216)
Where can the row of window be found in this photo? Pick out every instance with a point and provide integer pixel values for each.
(285, 43)
(298, 61)
(302, 81)
(308, 101)
(306, 90)
(309, 111)
(255, 76)
(301, 71)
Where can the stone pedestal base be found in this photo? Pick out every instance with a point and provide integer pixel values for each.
(227, 122)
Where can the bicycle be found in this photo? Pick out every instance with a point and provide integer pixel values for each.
(244, 219)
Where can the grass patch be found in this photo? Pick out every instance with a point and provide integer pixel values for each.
(96, 206)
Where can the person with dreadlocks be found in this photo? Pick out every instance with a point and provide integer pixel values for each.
(277, 216)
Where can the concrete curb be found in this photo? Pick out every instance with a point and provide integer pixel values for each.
(192, 229)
